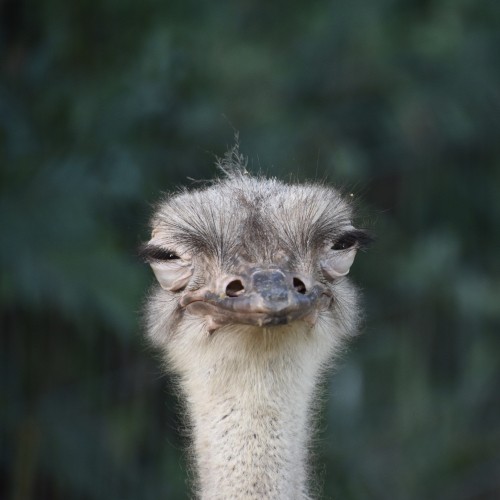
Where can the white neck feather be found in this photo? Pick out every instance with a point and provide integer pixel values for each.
(249, 396)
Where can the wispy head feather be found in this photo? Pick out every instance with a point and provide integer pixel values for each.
(233, 163)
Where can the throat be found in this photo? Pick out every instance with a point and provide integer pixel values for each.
(251, 444)
(250, 418)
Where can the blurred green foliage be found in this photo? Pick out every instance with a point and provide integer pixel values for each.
(103, 104)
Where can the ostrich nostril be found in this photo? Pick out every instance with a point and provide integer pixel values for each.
(299, 286)
(235, 288)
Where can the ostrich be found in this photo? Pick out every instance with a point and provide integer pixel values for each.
(252, 304)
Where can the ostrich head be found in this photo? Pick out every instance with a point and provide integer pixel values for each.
(254, 253)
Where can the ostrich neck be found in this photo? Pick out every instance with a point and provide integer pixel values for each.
(250, 442)
(250, 419)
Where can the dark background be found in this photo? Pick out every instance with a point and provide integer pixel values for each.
(103, 104)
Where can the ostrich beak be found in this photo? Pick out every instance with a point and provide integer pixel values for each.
(260, 297)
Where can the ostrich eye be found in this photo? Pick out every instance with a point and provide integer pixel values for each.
(353, 238)
(151, 253)
(169, 256)
(338, 263)
(345, 242)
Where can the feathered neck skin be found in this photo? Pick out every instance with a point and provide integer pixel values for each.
(250, 409)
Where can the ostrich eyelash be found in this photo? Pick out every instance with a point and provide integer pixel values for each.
(355, 237)
(149, 253)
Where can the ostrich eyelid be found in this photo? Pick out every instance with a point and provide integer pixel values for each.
(150, 253)
(349, 239)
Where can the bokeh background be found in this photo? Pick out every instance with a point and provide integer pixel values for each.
(106, 103)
